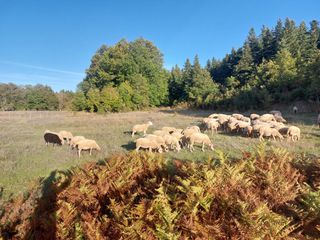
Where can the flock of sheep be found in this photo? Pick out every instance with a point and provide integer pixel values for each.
(270, 125)
(78, 142)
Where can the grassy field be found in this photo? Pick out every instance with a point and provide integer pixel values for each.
(24, 156)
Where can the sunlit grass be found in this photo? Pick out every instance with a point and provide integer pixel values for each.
(24, 156)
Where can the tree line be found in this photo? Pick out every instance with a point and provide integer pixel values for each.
(37, 97)
(280, 65)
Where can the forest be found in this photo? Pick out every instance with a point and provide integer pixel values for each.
(278, 65)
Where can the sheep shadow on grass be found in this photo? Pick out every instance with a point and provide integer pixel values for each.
(129, 146)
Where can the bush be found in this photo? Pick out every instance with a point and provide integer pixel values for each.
(259, 196)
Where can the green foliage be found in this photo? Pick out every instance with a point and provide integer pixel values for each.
(41, 98)
(38, 97)
(259, 196)
(79, 102)
(135, 73)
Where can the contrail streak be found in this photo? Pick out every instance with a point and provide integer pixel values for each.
(43, 68)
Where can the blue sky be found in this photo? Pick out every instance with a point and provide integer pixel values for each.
(52, 42)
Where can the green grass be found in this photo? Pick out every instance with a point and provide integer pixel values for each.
(24, 156)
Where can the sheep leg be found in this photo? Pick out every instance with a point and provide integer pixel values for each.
(79, 152)
(90, 151)
(137, 148)
(133, 132)
(202, 147)
(150, 149)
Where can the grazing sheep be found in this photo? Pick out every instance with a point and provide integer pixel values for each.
(318, 121)
(212, 125)
(269, 132)
(275, 112)
(178, 130)
(158, 139)
(75, 140)
(294, 133)
(280, 119)
(177, 135)
(223, 121)
(295, 109)
(241, 125)
(246, 119)
(237, 116)
(52, 137)
(276, 125)
(190, 130)
(256, 128)
(67, 136)
(233, 125)
(160, 132)
(214, 115)
(168, 129)
(141, 128)
(148, 143)
(200, 138)
(172, 141)
(267, 118)
(187, 133)
(248, 131)
(283, 131)
(254, 116)
(87, 145)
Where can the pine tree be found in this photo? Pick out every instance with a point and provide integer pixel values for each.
(255, 46)
(176, 88)
(245, 67)
(268, 43)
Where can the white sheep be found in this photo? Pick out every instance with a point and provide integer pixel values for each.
(232, 125)
(280, 119)
(213, 126)
(214, 115)
(158, 139)
(169, 129)
(148, 143)
(246, 119)
(52, 137)
(256, 127)
(141, 128)
(160, 132)
(269, 132)
(187, 133)
(237, 116)
(294, 133)
(223, 121)
(67, 136)
(87, 145)
(275, 112)
(178, 136)
(267, 118)
(200, 138)
(245, 127)
(172, 141)
(75, 140)
(248, 131)
(196, 128)
(254, 116)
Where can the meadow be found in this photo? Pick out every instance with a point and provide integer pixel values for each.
(24, 156)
